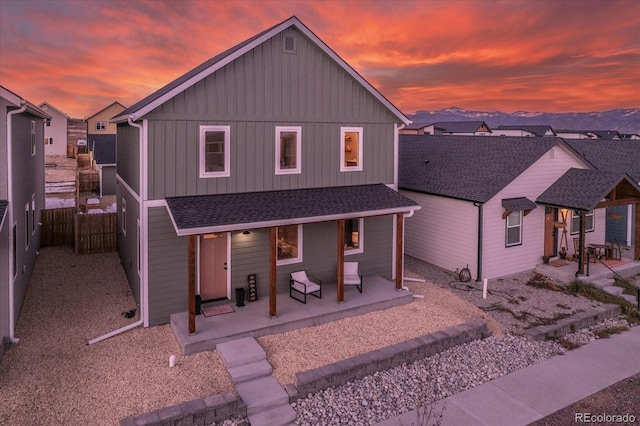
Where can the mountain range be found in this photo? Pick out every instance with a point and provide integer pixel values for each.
(622, 120)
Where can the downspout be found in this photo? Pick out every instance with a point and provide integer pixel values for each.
(142, 306)
(12, 322)
(479, 271)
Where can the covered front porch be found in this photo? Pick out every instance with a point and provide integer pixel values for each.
(252, 320)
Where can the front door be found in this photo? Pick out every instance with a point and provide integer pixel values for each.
(213, 266)
(550, 242)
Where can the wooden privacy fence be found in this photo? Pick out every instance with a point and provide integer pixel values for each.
(88, 233)
(96, 233)
(58, 227)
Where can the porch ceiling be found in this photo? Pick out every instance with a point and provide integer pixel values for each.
(228, 212)
(586, 189)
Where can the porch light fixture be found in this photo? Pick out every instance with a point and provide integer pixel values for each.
(246, 232)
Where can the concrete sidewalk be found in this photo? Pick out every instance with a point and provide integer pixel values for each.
(532, 393)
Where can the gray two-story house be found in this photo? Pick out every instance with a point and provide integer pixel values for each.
(272, 157)
(21, 200)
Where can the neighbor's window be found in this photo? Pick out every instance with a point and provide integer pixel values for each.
(353, 242)
(350, 149)
(289, 240)
(214, 151)
(575, 222)
(33, 137)
(514, 229)
(101, 125)
(288, 150)
(124, 217)
(48, 141)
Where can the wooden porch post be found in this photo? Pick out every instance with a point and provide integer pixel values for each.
(191, 282)
(636, 251)
(273, 277)
(399, 250)
(340, 278)
(581, 257)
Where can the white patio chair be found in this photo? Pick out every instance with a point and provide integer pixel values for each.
(301, 283)
(352, 276)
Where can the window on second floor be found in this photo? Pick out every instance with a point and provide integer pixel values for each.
(350, 149)
(589, 225)
(101, 125)
(288, 150)
(214, 151)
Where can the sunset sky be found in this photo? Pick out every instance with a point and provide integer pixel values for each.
(532, 55)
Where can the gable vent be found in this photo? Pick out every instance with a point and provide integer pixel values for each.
(289, 44)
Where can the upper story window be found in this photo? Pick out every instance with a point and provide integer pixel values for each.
(123, 217)
(288, 150)
(353, 233)
(33, 137)
(350, 149)
(589, 224)
(214, 151)
(101, 125)
(514, 229)
(289, 240)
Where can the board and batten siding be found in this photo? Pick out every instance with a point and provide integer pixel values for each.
(444, 232)
(127, 244)
(128, 156)
(255, 93)
(499, 260)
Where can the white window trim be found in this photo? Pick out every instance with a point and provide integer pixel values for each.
(227, 151)
(33, 138)
(507, 227)
(343, 131)
(33, 214)
(27, 233)
(576, 231)
(360, 248)
(294, 259)
(124, 217)
(298, 131)
(101, 125)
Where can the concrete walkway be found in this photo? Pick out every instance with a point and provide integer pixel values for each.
(532, 393)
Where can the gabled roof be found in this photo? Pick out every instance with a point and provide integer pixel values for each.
(17, 101)
(53, 108)
(104, 109)
(518, 204)
(583, 189)
(468, 167)
(227, 212)
(460, 126)
(207, 68)
(606, 134)
(536, 130)
(617, 156)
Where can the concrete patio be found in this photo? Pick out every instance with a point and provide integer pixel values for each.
(252, 320)
(596, 271)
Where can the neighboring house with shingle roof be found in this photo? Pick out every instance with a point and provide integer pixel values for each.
(459, 128)
(55, 130)
(21, 200)
(479, 198)
(523, 130)
(263, 160)
(576, 134)
(606, 134)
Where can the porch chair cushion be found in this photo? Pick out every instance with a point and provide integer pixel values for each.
(301, 283)
(351, 275)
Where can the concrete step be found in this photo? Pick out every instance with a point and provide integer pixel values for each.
(282, 415)
(262, 394)
(603, 282)
(250, 371)
(630, 298)
(615, 290)
(241, 351)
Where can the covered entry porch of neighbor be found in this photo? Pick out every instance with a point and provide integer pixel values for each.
(213, 214)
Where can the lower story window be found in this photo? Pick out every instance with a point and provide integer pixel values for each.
(353, 241)
(514, 229)
(589, 223)
(289, 240)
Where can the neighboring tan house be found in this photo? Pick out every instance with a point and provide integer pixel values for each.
(55, 131)
(21, 200)
(460, 128)
(482, 206)
(262, 160)
(99, 128)
(516, 130)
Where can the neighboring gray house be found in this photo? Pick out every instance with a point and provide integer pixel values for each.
(524, 130)
(103, 150)
(482, 206)
(262, 160)
(459, 128)
(21, 200)
(55, 131)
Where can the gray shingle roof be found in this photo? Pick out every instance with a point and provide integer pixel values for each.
(460, 126)
(466, 167)
(226, 212)
(518, 204)
(536, 130)
(618, 156)
(581, 189)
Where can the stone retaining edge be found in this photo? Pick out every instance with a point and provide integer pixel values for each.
(201, 411)
(573, 323)
(350, 369)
